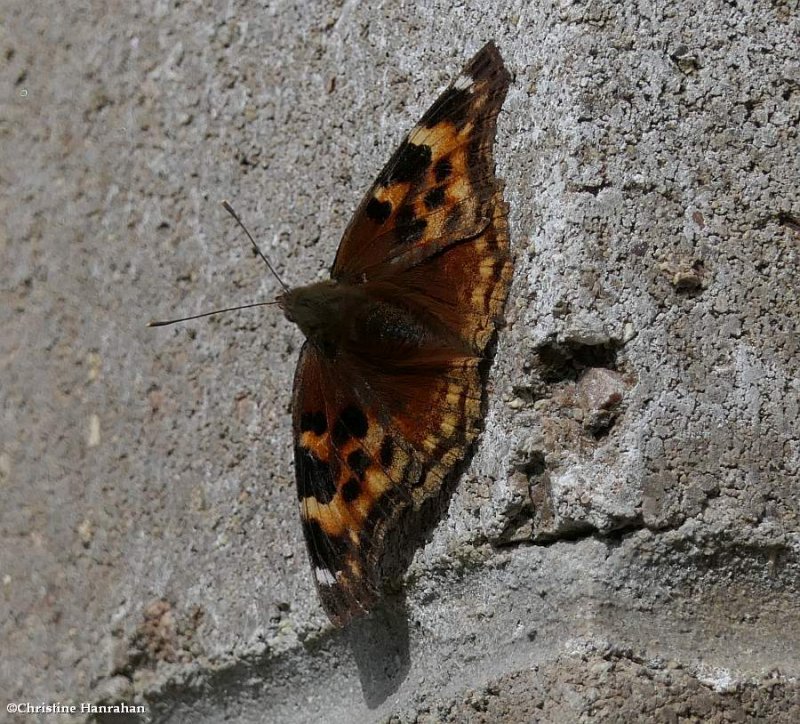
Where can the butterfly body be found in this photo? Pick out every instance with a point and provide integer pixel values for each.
(369, 321)
(389, 388)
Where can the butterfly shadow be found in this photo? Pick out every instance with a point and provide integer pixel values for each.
(380, 645)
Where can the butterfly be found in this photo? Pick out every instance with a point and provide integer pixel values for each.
(389, 385)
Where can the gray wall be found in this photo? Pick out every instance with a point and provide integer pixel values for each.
(597, 560)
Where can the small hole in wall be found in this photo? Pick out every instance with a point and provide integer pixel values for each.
(560, 362)
(535, 465)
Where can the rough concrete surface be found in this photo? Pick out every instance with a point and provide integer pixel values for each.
(625, 544)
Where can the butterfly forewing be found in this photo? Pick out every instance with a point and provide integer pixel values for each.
(439, 186)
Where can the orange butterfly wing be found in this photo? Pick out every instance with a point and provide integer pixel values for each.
(382, 424)
(439, 186)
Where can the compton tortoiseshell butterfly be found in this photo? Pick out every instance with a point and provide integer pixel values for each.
(389, 385)
(388, 389)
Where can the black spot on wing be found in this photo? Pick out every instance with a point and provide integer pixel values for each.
(409, 228)
(408, 164)
(358, 461)
(379, 211)
(328, 552)
(405, 216)
(452, 105)
(434, 198)
(313, 476)
(442, 169)
(351, 490)
(352, 422)
(313, 422)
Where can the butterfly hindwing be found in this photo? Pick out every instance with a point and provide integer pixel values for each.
(350, 469)
(366, 452)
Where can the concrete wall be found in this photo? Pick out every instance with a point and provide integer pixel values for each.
(626, 540)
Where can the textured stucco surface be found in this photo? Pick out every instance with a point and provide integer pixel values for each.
(626, 541)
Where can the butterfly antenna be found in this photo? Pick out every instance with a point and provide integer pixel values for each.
(236, 218)
(153, 323)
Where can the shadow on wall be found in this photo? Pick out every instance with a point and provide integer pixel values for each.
(380, 646)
